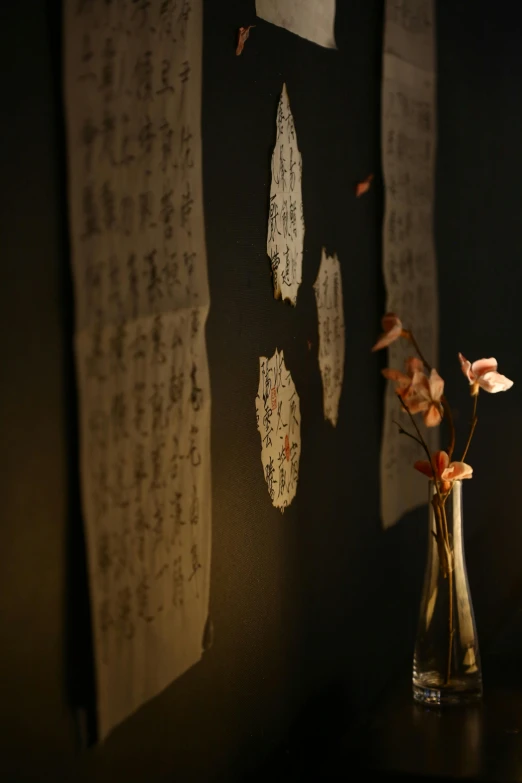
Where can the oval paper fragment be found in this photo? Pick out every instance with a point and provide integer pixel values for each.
(279, 424)
(286, 220)
(330, 315)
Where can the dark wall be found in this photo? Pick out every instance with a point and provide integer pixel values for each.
(479, 247)
(313, 610)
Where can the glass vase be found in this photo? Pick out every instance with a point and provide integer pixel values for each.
(446, 664)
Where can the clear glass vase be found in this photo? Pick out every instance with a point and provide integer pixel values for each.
(446, 664)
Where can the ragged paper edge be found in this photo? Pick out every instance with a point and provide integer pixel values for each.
(271, 13)
(334, 418)
(280, 355)
(278, 293)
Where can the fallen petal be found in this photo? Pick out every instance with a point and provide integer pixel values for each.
(363, 186)
(242, 36)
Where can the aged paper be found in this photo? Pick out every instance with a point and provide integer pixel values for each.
(133, 95)
(310, 19)
(286, 219)
(279, 424)
(408, 150)
(330, 315)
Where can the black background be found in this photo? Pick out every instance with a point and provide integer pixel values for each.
(314, 610)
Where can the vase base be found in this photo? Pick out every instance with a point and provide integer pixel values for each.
(427, 690)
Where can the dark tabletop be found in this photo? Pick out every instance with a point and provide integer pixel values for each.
(404, 740)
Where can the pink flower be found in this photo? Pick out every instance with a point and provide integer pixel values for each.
(445, 470)
(392, 330)
(483, 374)
(403, 380)
(425, 395)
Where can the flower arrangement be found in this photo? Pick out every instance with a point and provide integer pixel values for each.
(420, 390)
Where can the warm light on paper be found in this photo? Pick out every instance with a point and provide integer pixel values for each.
(286, 220)
(133, 102)
(409, 263)
(279, 424)
(310, 19)
(330, 315)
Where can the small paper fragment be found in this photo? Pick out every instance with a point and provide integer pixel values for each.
(243, 34)
(310, 19)
(286, 219)
(279, 424)
(330, 315)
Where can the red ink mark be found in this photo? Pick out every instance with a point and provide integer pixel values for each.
(363, 186)
(242, 36)
(273, 398)
(287, 448)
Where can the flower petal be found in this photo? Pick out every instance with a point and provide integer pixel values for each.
(441, 460)
(457, 471)
(416, 404)
(494, 382)
(391, 321)
(397, 377)
(388, 338)
(482, 366)
(466, 368)
(413, 365)
(436, 386)
(423, 466)
(433, 416)
(420, 386)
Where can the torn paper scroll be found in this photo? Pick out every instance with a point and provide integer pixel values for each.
(133, 99)
(329, 297)
(286, 219)
(409, 264)
(279, 424)
(310, 19)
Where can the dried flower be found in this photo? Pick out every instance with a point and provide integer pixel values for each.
(425, 396)
(445, 471)
(392, 330)
(403, 380)
(483, 374)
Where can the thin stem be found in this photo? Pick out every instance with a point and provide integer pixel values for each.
(439, 502)
(402, 431)
(474, 421)
(419, 434)
(451, 630)
(411, 337)
(451, 425)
